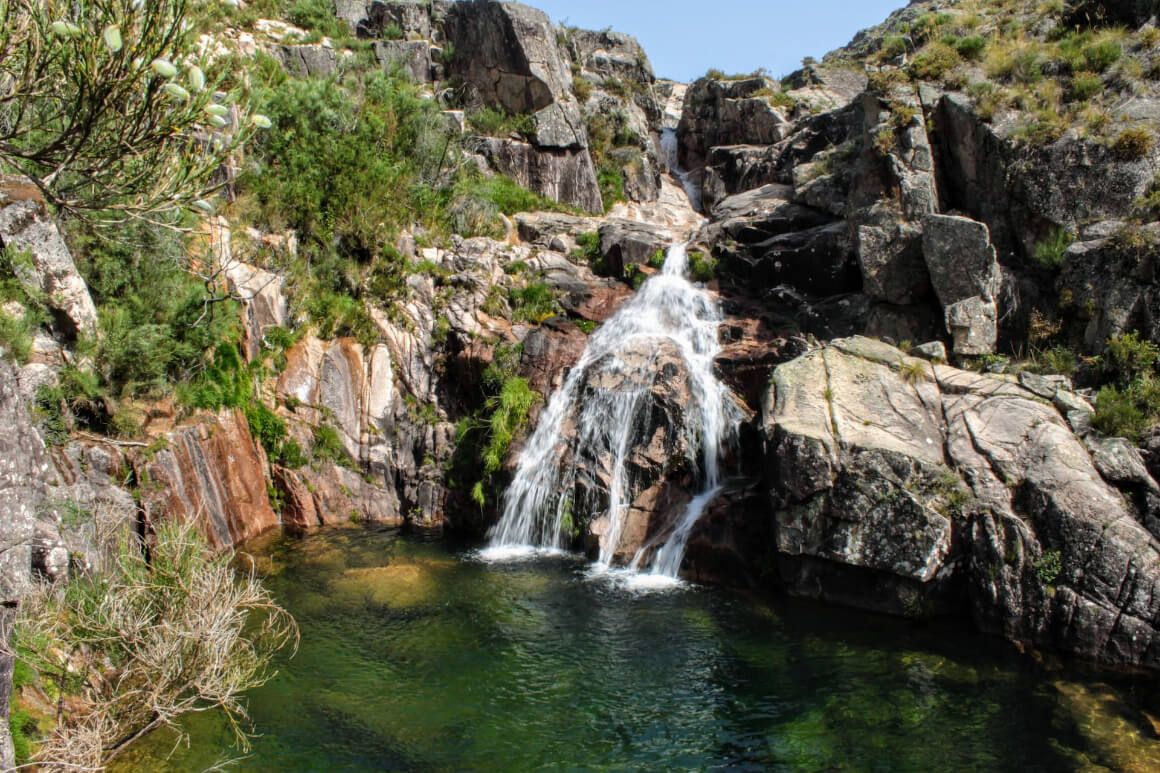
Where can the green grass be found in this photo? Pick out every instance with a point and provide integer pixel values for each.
(1049, 252)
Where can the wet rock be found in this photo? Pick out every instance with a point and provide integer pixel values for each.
(626, 242)
(818, 260)
(549, 352)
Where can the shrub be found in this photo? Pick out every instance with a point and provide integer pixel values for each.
(533, 303)
(319, 16)
(1101, 55)
(497, 122)
(934, 61)
(1085, 85)
(611, 182)
(1132, 144)
(177, 626)
(1129, 358)
(509, 414)
(1049, 252)
(1119, 413)
(894, 46)
(328, 446)
(581, 88)
(702, 268)
(1048, 566)
(971, 47)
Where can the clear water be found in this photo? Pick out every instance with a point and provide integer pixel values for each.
(417, 657)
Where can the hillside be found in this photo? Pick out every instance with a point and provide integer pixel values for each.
(933, 249)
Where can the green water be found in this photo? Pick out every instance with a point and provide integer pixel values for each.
(417, 657)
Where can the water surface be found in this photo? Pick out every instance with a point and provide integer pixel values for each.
(415, 656)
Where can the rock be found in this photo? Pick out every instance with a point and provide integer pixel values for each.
(413, 56)
(508, 51)
(563, 175)
(308, 61)
(934, 351)
(725, 113)
(891, 259)
(541, 228)
(1109, 284)
(416, 19)
(26, 225)
(941, 481)
(760, 214)
(211, 473)
(23, 464)
(610, 54)
(1119, 462)
(966, 278)
(549, 352)
(625, 242)
(263, 302)
(333, 495)
(733, 169)
(32, 377)
(817, 260)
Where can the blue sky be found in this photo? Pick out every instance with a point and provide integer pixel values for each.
(684, 38)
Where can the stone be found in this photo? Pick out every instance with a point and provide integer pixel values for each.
(563, 175)
(308, 61)
(1119, 462)
(880, 463)
(413, 56)
(263, 302)
(934, 351)
(626, 242)
(891, 260)
(820, 261)
(26, 225)
(966, 277)
(212, 473)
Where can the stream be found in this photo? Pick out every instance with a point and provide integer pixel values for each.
(418, 655)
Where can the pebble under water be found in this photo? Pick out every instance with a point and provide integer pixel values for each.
(415, 656)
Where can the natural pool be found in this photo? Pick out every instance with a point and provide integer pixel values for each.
(416, 656)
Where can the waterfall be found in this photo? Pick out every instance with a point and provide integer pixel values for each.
(668, 312)
(670, 149)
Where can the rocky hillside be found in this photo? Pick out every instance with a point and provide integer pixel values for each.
(933, 249)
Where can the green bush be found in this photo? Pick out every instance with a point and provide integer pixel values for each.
(319, 16)
(328, 446)
(1101, 55)
(1119, 413)
(611, 182)
(533, 303)
(934, 61)
(702, 268)
(1085, 85)
(1048, 566)
(509, 414)
(1049, 252)
(971, 47)
(291, 455)
(1129, 359)
(1133, 144)
(266, 427)
(496, 122)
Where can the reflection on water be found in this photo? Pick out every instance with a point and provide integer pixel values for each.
(415, 658)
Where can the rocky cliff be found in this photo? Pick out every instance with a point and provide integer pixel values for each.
(862, 222)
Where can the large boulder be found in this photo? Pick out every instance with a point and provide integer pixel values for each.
(900, 485)
(627, 242)
(819, 261)
(563, 175)
(966, 277)
(26, 226)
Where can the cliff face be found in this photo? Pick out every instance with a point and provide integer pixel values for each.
(855, 199)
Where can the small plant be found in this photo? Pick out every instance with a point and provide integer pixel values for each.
(328, 446)
(1085, 85)
(533, 303)
(657, 259)
(702, 268)
(884, 140)
(581, 88)
(1049, 252)
(1048, 566)
(971, 47)
(1132, 144)
(934, 61)
(914, 371)
(1129, 358)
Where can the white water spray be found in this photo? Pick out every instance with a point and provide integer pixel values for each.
(670, 148)
(583, 423)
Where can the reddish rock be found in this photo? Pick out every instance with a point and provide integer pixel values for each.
(212, 473)
(332, 495)
(549, 353)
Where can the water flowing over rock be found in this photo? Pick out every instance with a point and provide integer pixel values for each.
(641, 412)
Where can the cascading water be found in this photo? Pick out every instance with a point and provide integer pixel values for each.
(670, 149)
(669, 313)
